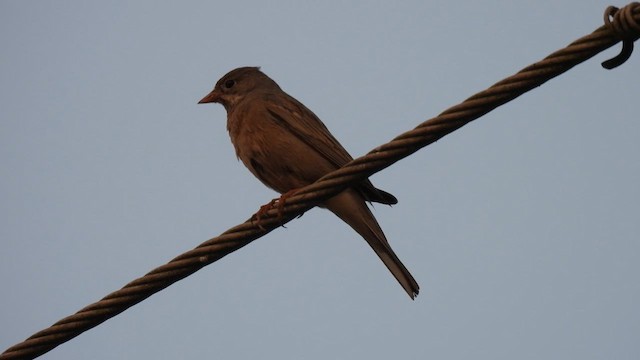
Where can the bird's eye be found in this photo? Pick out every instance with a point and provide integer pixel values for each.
(229, 84)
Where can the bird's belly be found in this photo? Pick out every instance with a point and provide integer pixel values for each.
(280, 161)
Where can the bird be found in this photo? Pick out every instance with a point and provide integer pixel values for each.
(286, 146)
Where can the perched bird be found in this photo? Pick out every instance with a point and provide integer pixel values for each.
(286, 146)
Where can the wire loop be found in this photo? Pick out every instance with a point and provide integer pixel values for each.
(622, 23)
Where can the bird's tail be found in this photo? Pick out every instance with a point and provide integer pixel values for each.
(350, 206)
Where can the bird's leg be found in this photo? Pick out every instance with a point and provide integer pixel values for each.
(282, 202)
(279, 203)
(263, 210)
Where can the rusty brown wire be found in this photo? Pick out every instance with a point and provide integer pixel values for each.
(358, 169)
(627, 29)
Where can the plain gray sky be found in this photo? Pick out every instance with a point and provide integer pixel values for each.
(522, 228)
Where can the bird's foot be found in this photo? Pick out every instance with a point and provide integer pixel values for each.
(261, 212)
(282, 201)
(278, 203)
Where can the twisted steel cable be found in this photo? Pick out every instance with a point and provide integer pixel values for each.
(624, 26)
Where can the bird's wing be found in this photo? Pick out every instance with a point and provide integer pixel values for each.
(306, 126)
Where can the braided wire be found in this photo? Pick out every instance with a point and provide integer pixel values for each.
(331, 184)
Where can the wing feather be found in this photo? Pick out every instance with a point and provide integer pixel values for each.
(308, 128)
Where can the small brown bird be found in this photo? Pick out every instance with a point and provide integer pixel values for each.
(286, 146)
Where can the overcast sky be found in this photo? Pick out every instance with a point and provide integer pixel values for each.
(522, 228)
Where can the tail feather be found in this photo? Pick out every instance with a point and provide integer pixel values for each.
(350, 206)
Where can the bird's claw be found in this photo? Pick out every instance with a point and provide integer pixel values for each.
(279, 203)
(261, 212)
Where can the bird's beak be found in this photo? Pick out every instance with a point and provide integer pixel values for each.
(213, 96)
